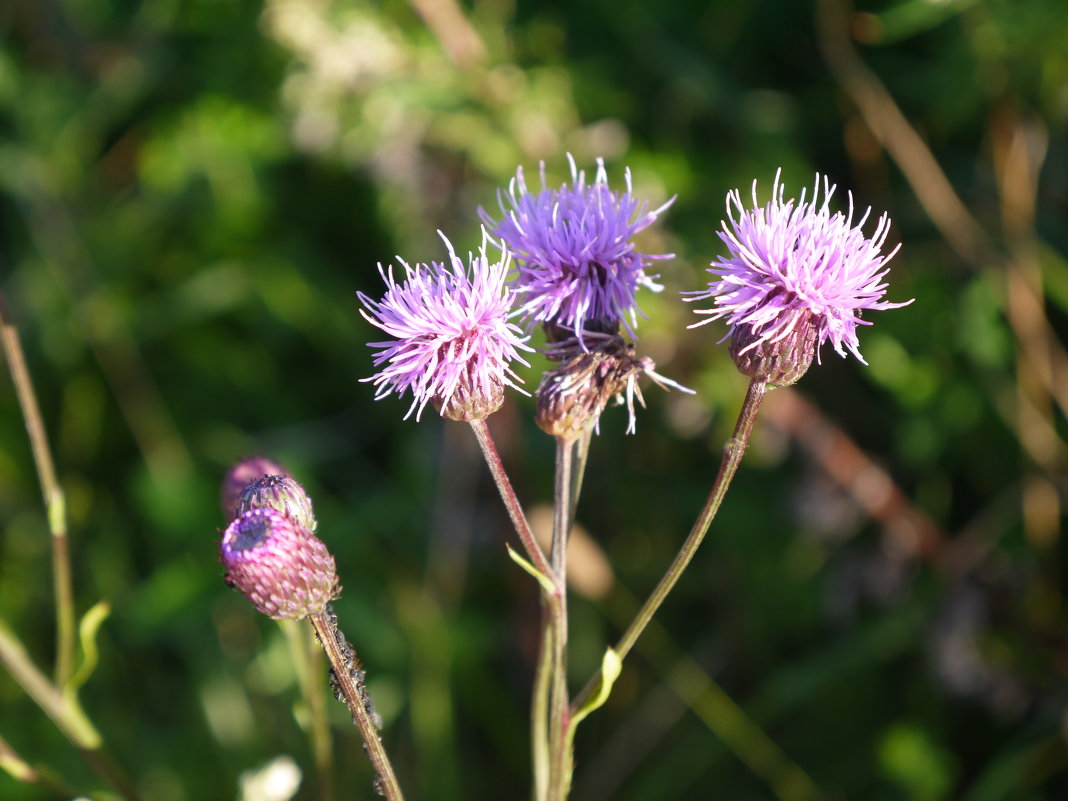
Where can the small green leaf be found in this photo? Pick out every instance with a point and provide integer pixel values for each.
(611, 666)
(546, 583)
(87, 631)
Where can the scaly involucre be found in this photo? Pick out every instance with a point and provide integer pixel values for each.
(452, 339)
(285, 570)
(578, 268)
(795, 263)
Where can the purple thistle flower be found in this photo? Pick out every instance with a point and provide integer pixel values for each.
(281, 567)
(452, 339)
(796, 274)
(578, 268)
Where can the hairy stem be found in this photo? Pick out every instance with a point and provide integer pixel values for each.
(54, 502)
(349, 684)
(511, 501)
(732, 457)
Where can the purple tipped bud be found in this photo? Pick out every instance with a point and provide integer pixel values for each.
(284, 569)
(241, 475)
(282, 494)
(777, 362)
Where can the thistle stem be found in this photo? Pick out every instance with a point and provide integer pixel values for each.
(554, 614)
(386, 782)
(511, 501)
(54, 502)
(732, 457)
(559, 713)
(539, 708)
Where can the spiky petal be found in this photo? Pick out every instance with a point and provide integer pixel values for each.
(578, 268)
(793, 264)
(452, 342)
(281, 567)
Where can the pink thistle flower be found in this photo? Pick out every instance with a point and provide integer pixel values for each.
(452, 342)
(578, 268)
(796, 276)
(281, 567)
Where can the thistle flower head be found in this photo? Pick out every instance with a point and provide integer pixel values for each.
(282, 494)
(284, 569)
(578, 268)
(241, 475)
(572, 396)
(452, 342)
(796, 276)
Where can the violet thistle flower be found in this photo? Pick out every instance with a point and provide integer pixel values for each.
(281, 567)
(282, 494)
(578, 268)
(796, 276)
(452, 340)
(571, 397)
(241, 475)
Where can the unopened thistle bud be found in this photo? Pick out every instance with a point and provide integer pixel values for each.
(241, 475)
(281, 567)
(777, 362)
(282, 494)
(571, 397)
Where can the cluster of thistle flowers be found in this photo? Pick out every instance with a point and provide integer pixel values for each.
(269, 549)
(797, 275)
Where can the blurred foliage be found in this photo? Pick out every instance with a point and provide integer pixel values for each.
(192, 192)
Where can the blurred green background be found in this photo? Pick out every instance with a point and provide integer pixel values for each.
(191, 193)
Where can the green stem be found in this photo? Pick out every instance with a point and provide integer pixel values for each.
(732, 457)
(64, 711)
(560, 713)
(580, 457)
(309, 666)
(539, 708)
(50, 490)
(386, 779)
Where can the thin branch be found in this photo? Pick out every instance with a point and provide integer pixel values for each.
(732, 457)
(55, 505)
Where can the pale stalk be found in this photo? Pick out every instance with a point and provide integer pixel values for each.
(539, 708)
(560, 713)
(309, 664)
(386, 781)
(64, 711)
(54, 502)
(732, 457)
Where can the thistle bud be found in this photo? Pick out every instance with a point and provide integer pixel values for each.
(776, 362)
(282, 494)
(240, 475)
(470, 402)
(571, 397)
(282, 568)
